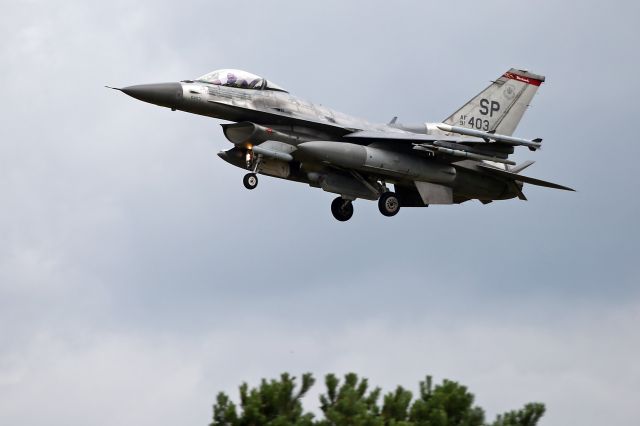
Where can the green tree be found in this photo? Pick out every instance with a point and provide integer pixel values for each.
(352, 403)
(349, 403)
(447, 404)
(395, 408)
(528, 416)
(274, 403)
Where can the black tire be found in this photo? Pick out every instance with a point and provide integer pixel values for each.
(389, 204)
(342, 209)
(250, 180)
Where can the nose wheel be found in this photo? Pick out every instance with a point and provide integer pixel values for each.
(389, 204)
(250, 180)
(342, 209)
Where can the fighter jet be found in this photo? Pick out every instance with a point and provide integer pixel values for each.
(274, 133)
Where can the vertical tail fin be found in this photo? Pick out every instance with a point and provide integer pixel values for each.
(499, 107)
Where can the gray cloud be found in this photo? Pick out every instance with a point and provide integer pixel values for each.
(132, 259)
(171, 379)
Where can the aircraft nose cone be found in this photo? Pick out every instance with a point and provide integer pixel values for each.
(163, 94)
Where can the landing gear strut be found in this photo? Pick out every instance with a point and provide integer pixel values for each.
(250, 180)
(342, 209)
(389, 204)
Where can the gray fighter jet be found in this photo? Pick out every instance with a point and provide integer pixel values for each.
(465, 157)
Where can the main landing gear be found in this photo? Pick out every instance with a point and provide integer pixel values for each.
(389, 204)
(342, 209)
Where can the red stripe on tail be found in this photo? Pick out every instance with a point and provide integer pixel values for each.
(527, 80)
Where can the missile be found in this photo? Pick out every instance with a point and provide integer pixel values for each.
(532, 144)
(463, 154)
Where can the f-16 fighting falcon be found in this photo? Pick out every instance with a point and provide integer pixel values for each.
(465, 157)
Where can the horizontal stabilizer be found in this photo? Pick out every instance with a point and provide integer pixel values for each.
(520, 178)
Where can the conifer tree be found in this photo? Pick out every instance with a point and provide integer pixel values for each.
(351, 402)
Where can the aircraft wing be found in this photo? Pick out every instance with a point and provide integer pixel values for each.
(453, 134)
(451, 148)
(240, 114)
(461, 147)
(409, 137)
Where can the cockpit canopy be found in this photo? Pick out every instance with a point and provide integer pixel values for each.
(239, 79)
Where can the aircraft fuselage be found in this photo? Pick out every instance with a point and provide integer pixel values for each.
(278, 134)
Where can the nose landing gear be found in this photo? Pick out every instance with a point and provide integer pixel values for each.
(250, 180)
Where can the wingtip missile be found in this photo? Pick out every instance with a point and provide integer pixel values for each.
(531, 144)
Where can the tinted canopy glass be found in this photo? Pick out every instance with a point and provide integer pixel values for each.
(239, 79)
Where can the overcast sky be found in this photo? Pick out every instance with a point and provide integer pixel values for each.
(138, 277)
